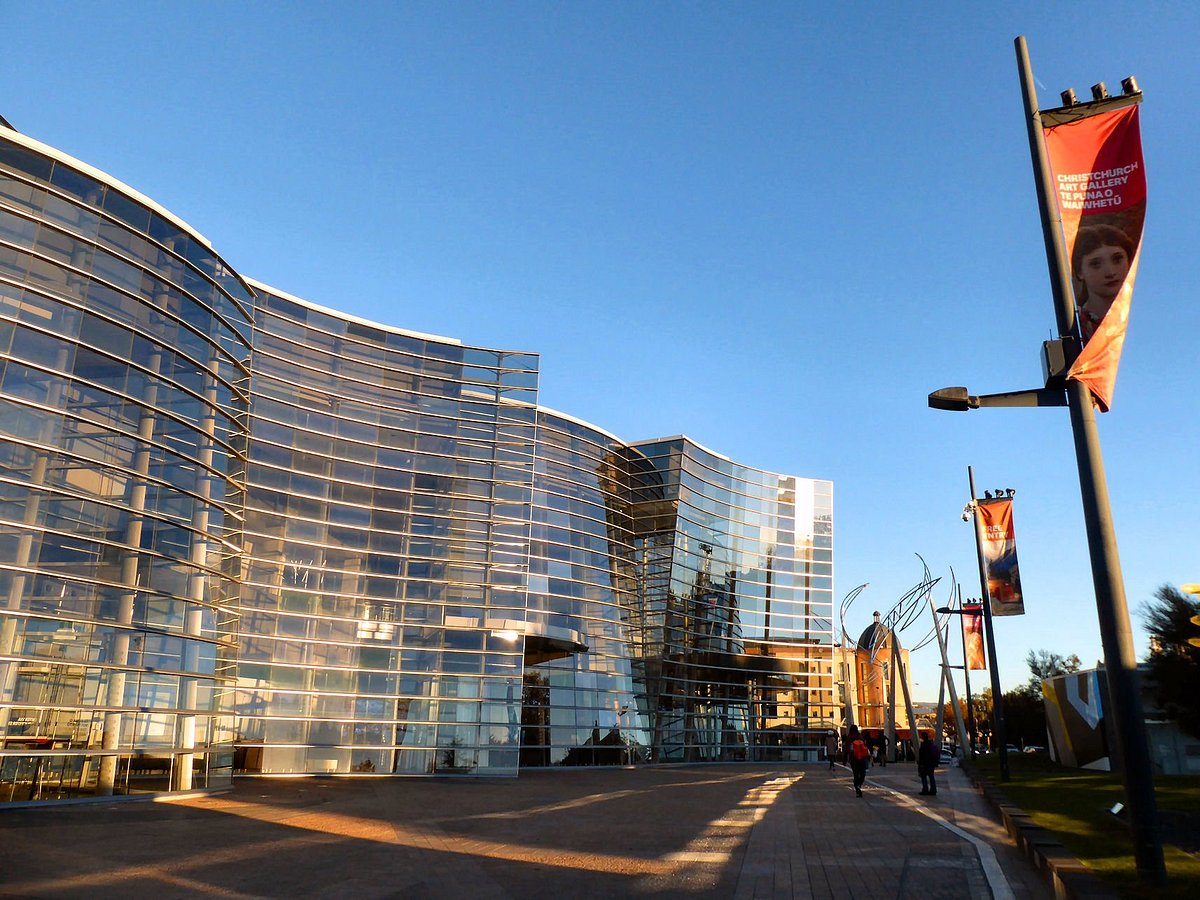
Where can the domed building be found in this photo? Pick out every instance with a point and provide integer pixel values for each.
(865, 672)
(873, 661)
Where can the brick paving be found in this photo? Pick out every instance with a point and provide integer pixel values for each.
(736, 831)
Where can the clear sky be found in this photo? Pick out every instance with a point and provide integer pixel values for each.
(773, 227)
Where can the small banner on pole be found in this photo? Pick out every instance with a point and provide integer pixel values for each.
(972, 623)
(1000, 555)
(1100, 185)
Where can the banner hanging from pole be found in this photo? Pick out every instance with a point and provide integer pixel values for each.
(1100, 183)
(972, 623)
(1000, 556)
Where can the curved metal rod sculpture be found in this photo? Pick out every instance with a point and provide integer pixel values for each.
(939, 622)
(949, 602)
(924, 642)
(845, 608)
(907, 608)
(919, 607)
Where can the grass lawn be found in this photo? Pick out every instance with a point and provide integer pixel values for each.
(1074, 804)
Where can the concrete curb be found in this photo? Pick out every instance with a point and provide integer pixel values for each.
(1066, 876)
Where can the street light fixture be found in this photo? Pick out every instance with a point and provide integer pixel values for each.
(958, 399)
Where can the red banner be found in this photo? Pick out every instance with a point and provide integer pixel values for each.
(1101, 191)
(972, 623)
(1000, 555)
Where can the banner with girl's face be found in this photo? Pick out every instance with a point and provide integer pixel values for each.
(1100, 185)
(972, 622)
(1000, 557)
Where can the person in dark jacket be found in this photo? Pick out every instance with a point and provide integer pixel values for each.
(928, 757)
(831, 747)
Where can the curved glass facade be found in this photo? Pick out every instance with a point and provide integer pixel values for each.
(244, 534)
(584, 707)
(124, 388)
(736, 596)
(387, 536)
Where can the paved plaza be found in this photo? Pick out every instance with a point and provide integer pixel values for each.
(736, 831)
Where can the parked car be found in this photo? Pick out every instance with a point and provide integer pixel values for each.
(1034, 748)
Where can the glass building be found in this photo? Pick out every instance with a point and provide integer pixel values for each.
(735, 586)
(386, 548)
(124, 391)
(241, 533)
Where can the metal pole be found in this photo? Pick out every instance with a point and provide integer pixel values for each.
(999, 738)
(1120, 661)
(948, 678)
(850, 684)
(889, 722)
(967, 674)
(913, 737)
(940, 721)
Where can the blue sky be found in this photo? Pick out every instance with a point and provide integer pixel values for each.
(772, 227)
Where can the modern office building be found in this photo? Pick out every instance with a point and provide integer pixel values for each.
(241, 533)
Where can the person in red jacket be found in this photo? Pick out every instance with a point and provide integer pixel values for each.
(858, 756)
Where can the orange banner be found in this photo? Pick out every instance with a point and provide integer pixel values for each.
(1000, 555)
(1100, 184)
(972, 622)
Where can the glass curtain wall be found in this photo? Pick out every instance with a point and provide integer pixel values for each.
(582, 708)
(124, 355)
(367, 553)
(387, 549)
(735, 582)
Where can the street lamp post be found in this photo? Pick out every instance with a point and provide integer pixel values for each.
(999, 733)
(947, 679)
(1112, 610)
(966, 667)
(967, 678)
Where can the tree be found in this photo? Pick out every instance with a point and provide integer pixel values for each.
(949, 733)
(1025, 716)
(1024, 708)
(1174, 665)
(1045, 664)
(981, 703)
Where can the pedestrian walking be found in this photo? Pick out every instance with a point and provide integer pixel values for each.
(858, 755)
(883, 749)
(831, 747)
(928, 757)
